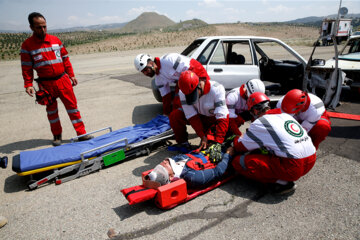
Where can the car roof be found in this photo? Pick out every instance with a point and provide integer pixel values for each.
(236, 37)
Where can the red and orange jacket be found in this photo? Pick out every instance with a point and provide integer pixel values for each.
(47, 57)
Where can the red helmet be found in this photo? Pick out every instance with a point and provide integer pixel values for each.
(295, 101)
(188, 83)
(256, 98)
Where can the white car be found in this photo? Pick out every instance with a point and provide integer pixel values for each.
(233, 60)
(349, 62)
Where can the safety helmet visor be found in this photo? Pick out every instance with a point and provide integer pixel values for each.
(192, 97)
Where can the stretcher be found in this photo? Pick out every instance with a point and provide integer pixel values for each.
(170, 195)
(76, 159)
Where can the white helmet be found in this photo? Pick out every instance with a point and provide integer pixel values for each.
(141, 61)
(254, 85)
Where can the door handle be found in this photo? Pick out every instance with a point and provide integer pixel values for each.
(218, 70)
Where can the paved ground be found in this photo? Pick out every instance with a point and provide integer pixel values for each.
(326, 204)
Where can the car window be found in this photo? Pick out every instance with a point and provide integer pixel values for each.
(219, 55)
(239, 53)
(273, 50)
(232, 52)
(192, 47)
(352, 47)
(205, 55)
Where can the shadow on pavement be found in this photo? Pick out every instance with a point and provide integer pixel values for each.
(214, 218)
(15, 183)
(24, 145)
(145, 113)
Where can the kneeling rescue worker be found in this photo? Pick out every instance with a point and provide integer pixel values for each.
(167, 70)
(236, 101)
(309, 110)
(275, 149)
(203, 107)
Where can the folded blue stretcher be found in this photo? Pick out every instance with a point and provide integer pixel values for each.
(82, 158)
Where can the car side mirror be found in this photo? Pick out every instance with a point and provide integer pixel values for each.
(318, 62)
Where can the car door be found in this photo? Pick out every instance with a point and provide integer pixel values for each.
(231, 63)
(325, 82)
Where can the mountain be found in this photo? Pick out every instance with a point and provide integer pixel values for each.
(310, 20)
(98, 27)
(147, 21)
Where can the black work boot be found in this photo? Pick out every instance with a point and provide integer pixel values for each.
(57, 140)
(85, 138)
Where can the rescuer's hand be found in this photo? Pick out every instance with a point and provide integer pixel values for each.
(203, 143)
(74, 81)
(30, 91)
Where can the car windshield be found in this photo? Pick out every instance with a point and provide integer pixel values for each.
(353, 46)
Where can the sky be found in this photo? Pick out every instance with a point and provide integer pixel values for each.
(72, 13)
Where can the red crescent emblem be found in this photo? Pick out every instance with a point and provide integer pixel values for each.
(292, 128)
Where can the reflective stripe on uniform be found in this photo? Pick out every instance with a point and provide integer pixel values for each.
(255, 138)
(26, 63)
(40, 50)
(319, 105)
(231, 106)
(220, 103)
(24, 51)
(242, 162)
(325, 119)
(49, 62)
(54, 120)
(275, 137)
(183, 103)
(176, 64)
(52, 112)
(76, 121)
(72, 111)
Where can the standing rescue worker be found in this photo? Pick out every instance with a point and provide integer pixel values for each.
(46, 55)
(236, 103)
(275, 149)
(167, 70)
(309, 110)
(203, 107)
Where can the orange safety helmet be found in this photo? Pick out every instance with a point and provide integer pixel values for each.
(295, 101)
(257, 98)
(188, 84)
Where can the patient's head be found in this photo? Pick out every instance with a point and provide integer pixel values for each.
(160, 174)
(164, 172)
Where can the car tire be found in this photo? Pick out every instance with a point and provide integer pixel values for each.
(155, 91)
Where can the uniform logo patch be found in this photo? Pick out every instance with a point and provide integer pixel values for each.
(293, 128)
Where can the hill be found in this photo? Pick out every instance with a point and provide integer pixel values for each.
(146, 22)
(184, 25)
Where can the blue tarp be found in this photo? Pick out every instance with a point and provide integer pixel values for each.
(32, 160)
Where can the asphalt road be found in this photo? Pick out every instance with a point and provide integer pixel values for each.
(326, 204)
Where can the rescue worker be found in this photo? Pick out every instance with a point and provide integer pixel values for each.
(275, 149)
(185, 166)
(203, 107)
(236, 103)
(309, 110)
(46, 55)
(167, 71)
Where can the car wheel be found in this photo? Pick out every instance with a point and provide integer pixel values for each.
(156, 91)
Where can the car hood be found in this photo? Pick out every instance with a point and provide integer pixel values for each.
(349, 61)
